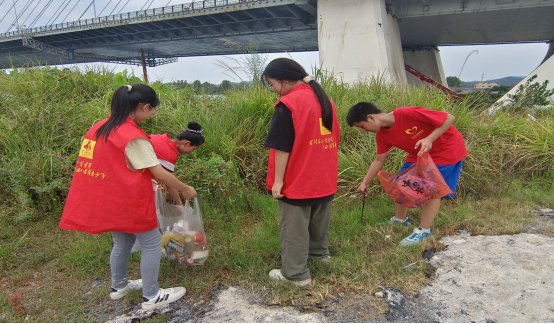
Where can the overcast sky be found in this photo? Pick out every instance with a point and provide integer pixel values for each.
(490, 62)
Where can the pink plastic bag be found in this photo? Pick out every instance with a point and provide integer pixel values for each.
(415, 185)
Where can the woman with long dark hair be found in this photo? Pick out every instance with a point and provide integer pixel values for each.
(303, 139)
(111, 191)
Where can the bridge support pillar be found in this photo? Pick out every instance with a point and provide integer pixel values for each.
(143, 62)
(426, 61)
(357, 40)
(550, 51)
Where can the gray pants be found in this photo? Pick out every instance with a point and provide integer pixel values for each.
(151, 243)
(304, 234)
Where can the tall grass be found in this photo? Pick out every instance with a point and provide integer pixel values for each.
(44, 113)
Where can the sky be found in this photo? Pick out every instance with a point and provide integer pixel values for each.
(488, 63)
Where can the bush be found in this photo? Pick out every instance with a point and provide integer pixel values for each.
(529, 95)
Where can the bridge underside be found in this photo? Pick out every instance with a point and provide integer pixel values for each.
(271, 42)
(286, 26)
(484, 27)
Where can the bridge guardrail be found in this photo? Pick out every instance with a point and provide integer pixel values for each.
(195, 5)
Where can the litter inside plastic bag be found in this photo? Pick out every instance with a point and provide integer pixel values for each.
(415, 185)
(183, 237)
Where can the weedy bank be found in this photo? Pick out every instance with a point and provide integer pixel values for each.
(64, 276)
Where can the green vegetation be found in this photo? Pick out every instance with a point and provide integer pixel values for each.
(64, 275)
(208, 88)
(530, 95)
(454, 82)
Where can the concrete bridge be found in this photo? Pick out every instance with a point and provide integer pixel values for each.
(355, 38)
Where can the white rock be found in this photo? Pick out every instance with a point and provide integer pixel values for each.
(238, 306)
(494, 278)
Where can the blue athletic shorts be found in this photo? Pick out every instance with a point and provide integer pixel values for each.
(450, 173)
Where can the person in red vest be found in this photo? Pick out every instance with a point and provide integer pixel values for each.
(413, 130)
(111, 191)
(303, 139)
(168, 150)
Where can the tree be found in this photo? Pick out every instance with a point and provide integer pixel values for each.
(225, 85)
(454, 82)
(531, 94)
(252, 64)
(502, 89)
(196, 85)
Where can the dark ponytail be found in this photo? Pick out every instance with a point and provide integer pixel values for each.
(193, 134)
(125, 101)
(284, 69)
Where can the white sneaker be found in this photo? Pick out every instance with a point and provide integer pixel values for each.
(121, 292)
(276, 274)
(164, 297)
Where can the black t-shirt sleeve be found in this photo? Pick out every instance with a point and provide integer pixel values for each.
(281, 130)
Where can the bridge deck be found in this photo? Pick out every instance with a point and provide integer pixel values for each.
(201, 28)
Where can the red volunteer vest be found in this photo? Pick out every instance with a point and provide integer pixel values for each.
(312, 169)
(165, 148)
(104, 194)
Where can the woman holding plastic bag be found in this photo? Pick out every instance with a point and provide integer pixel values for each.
(416, 130)
(168, 150)
(183, 239)
(111, 191)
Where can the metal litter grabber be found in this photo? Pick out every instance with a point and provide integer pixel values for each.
(363, 206)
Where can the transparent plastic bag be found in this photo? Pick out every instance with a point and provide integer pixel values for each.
(183, 239)
(415, 185)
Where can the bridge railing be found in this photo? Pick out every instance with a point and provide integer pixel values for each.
(196, 5)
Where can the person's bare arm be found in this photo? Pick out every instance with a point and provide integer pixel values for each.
(170, 180)
(174, 193)
(427, 143)
(374, 168)
(281, 161)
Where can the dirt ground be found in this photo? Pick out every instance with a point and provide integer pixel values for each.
(483, 279)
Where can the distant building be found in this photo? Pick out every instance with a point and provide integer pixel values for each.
(486, 85)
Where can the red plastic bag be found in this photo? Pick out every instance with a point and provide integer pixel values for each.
(415, 185)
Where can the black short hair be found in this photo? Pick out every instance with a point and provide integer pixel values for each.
(358, 113)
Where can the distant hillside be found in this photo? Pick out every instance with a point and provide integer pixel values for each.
(502, 81)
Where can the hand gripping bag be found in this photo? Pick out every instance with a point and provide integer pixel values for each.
(183, 238)
(415, 185)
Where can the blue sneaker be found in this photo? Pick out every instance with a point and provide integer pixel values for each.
(417, 236)
(394, 220)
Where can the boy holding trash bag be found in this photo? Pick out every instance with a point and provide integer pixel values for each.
(413, 130)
